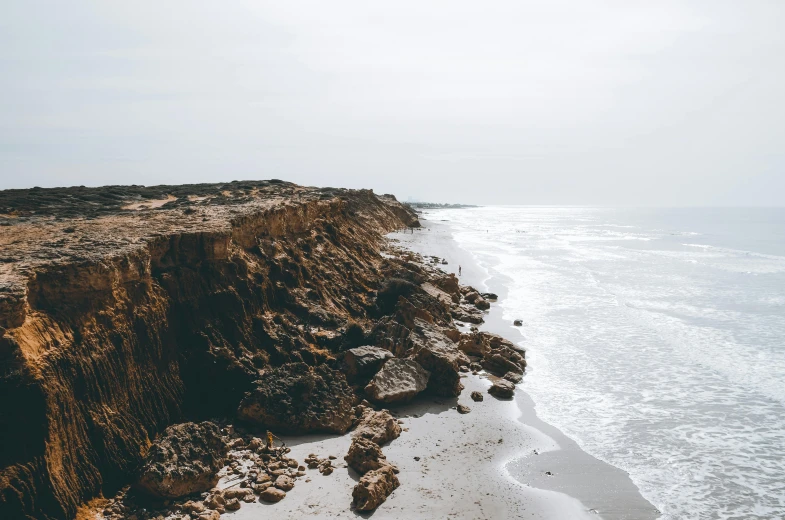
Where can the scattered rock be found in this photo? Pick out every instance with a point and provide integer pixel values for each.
(462, 408)
(232, 504)
(373, 488)
(489, 296)
(518, 323)
(365, 455)
(363, 362)
(399, 380)
(477, 396)
(185, 460)
(380, 427)
(502, 389)
(296, 398)
(210, 515)
(272, 494)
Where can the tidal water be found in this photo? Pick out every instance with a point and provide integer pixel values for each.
(656, 339)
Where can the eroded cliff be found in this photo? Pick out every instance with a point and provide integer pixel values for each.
(126, 309)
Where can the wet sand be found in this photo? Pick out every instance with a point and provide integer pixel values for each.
(601, 487)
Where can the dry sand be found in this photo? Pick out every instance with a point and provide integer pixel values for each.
(460, 472)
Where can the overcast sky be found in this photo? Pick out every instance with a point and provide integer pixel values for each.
(508, 101)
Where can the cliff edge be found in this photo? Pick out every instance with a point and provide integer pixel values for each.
(126, 309)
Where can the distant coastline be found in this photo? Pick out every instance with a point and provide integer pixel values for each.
(435, 205)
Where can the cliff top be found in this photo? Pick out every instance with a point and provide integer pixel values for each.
(46, 227)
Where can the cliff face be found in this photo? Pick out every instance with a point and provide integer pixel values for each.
(126, 309)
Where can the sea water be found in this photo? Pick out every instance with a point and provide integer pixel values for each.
(656, 339)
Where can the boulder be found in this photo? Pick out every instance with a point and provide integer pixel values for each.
(363, 362)
(472, 296)
(398, 381)
(513, 377)
(373, 488)
(185, 460)
(518, 323)
(476, 396)
(296, 398)
(495, 341)
(391, 335)
(463, 409)
(502, 389)
(364, 455)
(489, 296)
(474, 344)
(498, 365)
(482, 304)
(448, 284)
(379, 427)
(439, 355)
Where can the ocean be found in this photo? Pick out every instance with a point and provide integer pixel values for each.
(656, 340)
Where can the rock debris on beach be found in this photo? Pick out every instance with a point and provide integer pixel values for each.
(263, 304)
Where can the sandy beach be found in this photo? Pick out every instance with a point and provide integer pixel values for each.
(498, 461)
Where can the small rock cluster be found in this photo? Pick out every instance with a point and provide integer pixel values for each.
(324, 465)
(253, 472)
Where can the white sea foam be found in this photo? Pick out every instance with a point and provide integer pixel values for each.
(663, 358)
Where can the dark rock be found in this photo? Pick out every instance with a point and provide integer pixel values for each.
(518, 323)
(513, 377)
(489, 296)
(498, 365)
(438, 355)
(462, 408)
(476, 396)
(482, 304)
(363, 362)
(399, 380)
(296, 398)
(502, 389)
(185, 460)
(472, 297)
(373, 488)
